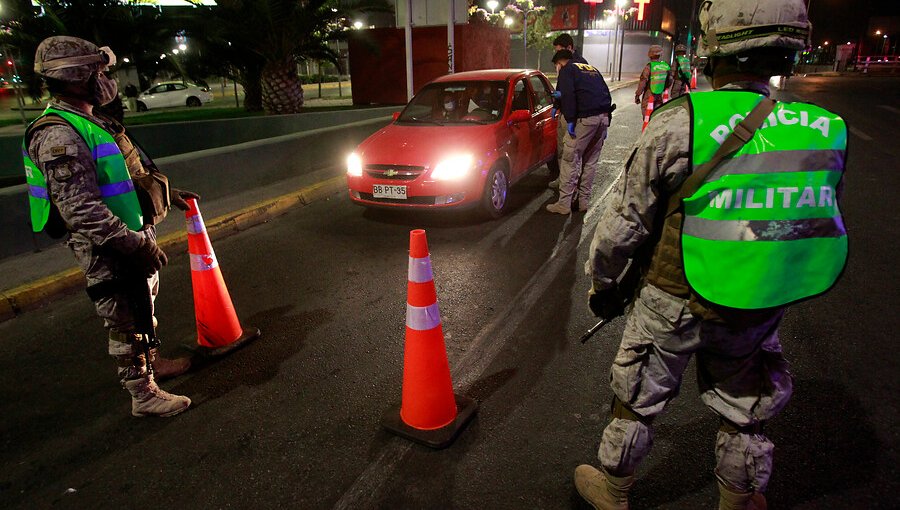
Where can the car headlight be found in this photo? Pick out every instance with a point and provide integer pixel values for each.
(453, 168)
(354, 165)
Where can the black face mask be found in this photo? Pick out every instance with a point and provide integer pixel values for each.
(102, 89)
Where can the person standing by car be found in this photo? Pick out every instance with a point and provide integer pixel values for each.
(562, 42)
(86, 179)
(717, 273)
(586, 105)
(654, 80)
(131, 95)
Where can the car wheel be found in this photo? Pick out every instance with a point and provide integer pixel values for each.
(142, 107)
(496, 189)
(193, 101)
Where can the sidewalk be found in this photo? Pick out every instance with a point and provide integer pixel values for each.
(30, 280)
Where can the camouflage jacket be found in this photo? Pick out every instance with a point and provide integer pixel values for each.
(658, 164)
(63, 157)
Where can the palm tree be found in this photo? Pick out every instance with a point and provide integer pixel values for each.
(266, 39)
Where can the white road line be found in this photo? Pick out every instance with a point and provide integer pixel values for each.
(478, 357)
(889, 108)
(860, 134)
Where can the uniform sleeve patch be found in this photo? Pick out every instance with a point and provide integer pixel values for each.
(59, 150)
(61, 171)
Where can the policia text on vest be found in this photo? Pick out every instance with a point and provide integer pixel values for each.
(764, 229)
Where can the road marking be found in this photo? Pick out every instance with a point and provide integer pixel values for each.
(860, 134)
(889, 108)
(478, 357)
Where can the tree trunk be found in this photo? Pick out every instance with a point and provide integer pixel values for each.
(282, 92)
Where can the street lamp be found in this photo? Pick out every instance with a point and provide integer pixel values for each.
(620, 18)
(357, 24)
(507, 21)
(884, 44)
(492, 4)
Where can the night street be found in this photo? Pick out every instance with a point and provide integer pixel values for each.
(293, 419)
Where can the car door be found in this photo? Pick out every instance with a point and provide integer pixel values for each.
(520, 143)
(544, 131)
(154, 97)
(179, 94)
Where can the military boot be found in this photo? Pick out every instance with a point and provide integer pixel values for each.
(559, 208)
(164, 368)
(148, 399)
(601, 490)
(731, 499)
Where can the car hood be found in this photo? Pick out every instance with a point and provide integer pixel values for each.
(426, 145)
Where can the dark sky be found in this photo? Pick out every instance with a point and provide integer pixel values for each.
(833, 20)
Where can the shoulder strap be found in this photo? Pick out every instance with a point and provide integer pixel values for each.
(741, 134)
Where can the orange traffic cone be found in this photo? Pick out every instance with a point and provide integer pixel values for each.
(429, 412)
(647, 113)
(665, 98)
(218, 329)
(694, 78)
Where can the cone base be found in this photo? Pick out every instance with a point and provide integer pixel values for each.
(247, 336)
(437, 438)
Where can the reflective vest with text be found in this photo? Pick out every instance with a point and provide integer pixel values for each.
(764, 229)
(658, 73)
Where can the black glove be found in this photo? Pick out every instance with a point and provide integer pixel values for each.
(178, 197)
(606, 304)
(148, 258)
(637, 100)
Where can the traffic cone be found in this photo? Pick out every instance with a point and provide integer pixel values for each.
(647, 113)
(429, 412)
(218, 329)
(665, 98)
(694, 78)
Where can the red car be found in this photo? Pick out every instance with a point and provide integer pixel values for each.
(461, 141)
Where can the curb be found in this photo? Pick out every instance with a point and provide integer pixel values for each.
(15, 301)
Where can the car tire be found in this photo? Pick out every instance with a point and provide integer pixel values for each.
(141, 107)
(193, 101)
(495, 197)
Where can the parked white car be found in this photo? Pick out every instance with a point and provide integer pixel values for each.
(175, 93)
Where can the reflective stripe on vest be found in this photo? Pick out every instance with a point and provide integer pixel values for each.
(658, 72)
(764, 229)
(116, 186)
(684, 64)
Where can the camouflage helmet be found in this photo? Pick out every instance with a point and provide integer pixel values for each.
(680, 48)
(655, 51)
(733, 26)
(71, 59)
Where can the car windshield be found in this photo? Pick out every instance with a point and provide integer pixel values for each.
(479, 102)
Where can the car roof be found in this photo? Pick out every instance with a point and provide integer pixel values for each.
(486, 74)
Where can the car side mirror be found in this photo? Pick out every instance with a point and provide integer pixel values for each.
(520, 116)
(395, 115)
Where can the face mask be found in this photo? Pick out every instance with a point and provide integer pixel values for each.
(103, 89)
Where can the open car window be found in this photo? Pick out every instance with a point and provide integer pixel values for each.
(457, 103)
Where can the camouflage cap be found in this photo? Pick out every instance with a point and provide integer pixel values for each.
(681, 48)
(71, 59)
(654, 51)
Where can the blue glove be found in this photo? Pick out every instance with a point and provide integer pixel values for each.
(553, 113)
(572, 129)
(556, 94)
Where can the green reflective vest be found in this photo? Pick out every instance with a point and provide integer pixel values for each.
(764, 229)
(116, 187)
(684, 65)
(658, 73)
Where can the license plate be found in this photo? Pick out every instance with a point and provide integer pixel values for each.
(389, 191)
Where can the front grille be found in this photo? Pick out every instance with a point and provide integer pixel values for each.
(394, 172)
(409, 200)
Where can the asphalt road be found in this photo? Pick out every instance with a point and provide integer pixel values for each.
(292, 421)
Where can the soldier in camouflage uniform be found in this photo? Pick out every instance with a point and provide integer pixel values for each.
(742, 373)
(104, 246)
(681, 75)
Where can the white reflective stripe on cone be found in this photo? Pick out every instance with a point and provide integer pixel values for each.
(195, 225)
(420, 270)
(422, 318)
(203, 262)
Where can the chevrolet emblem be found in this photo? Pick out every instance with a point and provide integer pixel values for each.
(390, 172)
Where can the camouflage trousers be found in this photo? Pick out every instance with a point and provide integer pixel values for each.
(114, 309)
(742, 375)
(580, 159)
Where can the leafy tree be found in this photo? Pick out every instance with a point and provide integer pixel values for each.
(263, 40)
